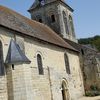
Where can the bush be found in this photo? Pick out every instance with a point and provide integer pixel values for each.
(94, 91)
(93, 87)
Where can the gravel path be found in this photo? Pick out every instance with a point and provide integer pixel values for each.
(90, 98)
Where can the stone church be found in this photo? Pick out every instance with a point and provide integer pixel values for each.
(36, 61)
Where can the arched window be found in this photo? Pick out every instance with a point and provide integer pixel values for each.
(65, 22)
(1, 60)
(65, 92)
(71, 25)
(67, 63)
(40, 65)
(53, 18)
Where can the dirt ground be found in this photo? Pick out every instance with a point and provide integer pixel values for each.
(90, 98)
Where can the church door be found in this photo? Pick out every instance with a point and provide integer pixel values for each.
(65, 92)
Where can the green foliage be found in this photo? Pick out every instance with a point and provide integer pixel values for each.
(93, 87)
(94, 91)
(94, 41)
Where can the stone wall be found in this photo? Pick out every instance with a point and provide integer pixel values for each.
(44, 13)
(3, 88)
(91, 67)
(16, 83)
(24, 81)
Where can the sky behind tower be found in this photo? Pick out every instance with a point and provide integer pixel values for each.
(86, 14)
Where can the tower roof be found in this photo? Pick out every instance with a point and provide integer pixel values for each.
(36, 4)
(14, 21)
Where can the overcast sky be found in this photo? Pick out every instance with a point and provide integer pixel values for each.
(86, 14)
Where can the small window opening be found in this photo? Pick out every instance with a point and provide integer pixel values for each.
(40, 65)
(71, 25)
(1, 60)
(53, 18)
(40, 20)
(65, 22)
(67, 63)
(82, 51)
(12, 66)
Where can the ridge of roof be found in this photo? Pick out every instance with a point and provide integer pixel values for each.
(34, 6)
(26, 26)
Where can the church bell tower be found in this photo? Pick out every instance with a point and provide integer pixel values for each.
(57, 15)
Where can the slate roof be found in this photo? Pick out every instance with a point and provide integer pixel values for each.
(77, 46)
(26, 26)
(15, 54)
(36, 5)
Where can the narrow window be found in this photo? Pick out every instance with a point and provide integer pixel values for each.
(71, 25)
(65, 22)
(82, 51)
(1, 60)
(40, 66)
(53, 18)
(67, 63)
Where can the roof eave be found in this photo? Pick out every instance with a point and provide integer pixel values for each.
(39, 39)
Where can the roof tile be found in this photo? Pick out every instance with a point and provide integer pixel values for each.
(15, 21)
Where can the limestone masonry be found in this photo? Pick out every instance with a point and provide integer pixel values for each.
(39, 58)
